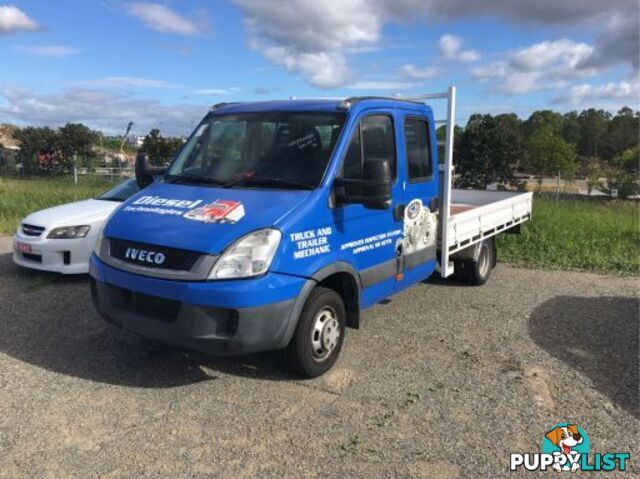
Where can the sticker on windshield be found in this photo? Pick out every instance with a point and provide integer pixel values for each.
(220, 211)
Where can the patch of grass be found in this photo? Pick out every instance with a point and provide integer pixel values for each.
(384, 420)
(19, 197)
(411, 398)
(599, 236)
(353, 445)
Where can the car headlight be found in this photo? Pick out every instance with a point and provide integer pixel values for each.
(69, 232)
(98, 246)
(247, 257)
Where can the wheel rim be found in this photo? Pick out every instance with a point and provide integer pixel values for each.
(325, 333)
(484, 260)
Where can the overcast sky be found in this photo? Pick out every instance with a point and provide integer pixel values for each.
(161, 64)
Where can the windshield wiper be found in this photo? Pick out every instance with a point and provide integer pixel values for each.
(187, 178)
(259, 180)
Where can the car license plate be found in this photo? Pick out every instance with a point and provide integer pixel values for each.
(23, 247)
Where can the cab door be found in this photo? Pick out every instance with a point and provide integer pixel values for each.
(369, 236)
(418, 159)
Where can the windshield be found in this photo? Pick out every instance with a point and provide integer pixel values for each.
(269, 149)
(121, 192)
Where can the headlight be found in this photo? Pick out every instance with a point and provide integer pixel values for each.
(98, 246)
(247, 257)
(69, 232)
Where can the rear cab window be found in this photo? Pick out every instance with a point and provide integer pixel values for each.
(418, 149)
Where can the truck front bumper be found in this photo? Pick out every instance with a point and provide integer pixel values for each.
(216, 317)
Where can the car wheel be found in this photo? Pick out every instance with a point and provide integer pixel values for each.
(318, 338)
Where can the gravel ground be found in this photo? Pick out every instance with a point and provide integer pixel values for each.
(443, 381)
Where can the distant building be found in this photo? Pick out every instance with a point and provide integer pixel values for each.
(135, 141)
(9, 157)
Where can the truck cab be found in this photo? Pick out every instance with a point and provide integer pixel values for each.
(278, 223)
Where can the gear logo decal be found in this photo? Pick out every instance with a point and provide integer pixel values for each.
(220, 211)
(419, 228)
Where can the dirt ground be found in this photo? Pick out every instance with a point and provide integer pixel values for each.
(442, 381)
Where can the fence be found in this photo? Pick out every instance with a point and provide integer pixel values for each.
(107, 171)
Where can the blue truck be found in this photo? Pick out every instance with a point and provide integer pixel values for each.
(278, 222)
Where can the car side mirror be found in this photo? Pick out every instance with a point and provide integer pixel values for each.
(373, 191)
(145, 172)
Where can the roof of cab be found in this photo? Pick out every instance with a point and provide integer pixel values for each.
(328, 105)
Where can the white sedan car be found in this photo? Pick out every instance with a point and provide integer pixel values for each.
(61, 238)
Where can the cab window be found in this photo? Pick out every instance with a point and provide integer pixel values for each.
(418, 148)
(373, 138)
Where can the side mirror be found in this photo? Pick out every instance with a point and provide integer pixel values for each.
(145, 172)
(373, 191)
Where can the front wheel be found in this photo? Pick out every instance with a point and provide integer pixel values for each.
(319, 335)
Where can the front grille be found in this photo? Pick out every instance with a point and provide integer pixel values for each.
(152, 307)
(174, 259)
(32, 230)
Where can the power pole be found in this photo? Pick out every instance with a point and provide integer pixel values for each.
(124, 138)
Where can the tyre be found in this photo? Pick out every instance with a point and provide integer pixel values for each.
(318, 338)
(477, 272)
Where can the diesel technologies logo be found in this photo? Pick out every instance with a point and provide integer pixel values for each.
(145, 256)
(566, 447)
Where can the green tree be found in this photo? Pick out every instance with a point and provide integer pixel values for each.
(622, 134)
(548, 153)
(489, 150)
(593, 127)
(624, 174)
(37, 147)
(571, 129)
(543, 119)
(74, 139)
(160, 149)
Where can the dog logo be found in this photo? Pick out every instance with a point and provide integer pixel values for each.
(220, 211)
(566, 447)
(566, 440)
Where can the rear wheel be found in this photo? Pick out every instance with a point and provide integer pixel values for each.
(319, 335)
(476, 272)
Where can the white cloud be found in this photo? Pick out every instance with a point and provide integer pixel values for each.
(322, 69)
(126, 82)
(617, 22)
(451, 49)
(618, 92)
(162, 19)
(12, 19)
(381, 85)
(314, 26)
(543, 66)
(415, 73)
(56, 51)
(550, 54)
(316, 39)
(106, 111)
(313, 39)
(491, 70)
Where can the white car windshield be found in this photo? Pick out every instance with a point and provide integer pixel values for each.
(121, 192)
